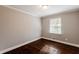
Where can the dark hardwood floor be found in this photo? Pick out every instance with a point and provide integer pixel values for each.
(43, 46)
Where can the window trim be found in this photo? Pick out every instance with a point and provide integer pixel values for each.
(55, 25)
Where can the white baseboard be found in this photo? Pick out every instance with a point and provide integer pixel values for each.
(14, 47)
(71, 44)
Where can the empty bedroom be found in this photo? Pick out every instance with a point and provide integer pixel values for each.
(39, 29)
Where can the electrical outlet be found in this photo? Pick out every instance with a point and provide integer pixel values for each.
(66, 39)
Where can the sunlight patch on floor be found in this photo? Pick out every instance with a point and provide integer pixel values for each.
(49, 49)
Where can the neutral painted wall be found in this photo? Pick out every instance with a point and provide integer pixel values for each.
(70, 27)
(17, 28)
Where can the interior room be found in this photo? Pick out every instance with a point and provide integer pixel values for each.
(39, 29)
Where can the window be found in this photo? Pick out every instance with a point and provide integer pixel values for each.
(55, 26)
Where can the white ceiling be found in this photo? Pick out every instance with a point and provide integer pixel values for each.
(36, 10)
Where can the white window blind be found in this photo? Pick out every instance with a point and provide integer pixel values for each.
(55, 26)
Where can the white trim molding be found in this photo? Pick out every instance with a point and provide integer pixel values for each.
(67, 43)
(17, 46)
(17, 9)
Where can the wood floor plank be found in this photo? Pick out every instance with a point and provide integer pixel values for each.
(43, 46)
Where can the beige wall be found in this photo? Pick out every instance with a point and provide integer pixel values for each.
(70, 27)
(17, 28)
